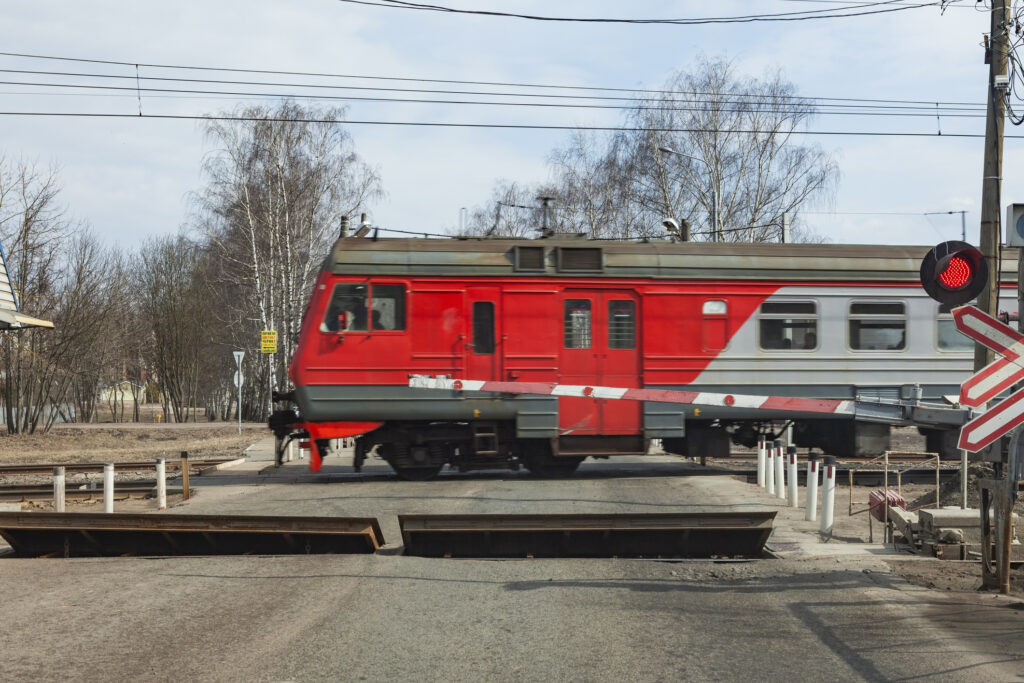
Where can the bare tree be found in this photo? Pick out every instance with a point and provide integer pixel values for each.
(277, 186)
(60, 273)
(736, 141)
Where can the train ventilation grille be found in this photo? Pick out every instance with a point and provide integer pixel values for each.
(530, 258)
(580, 259)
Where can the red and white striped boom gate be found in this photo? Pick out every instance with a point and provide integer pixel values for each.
(786, 404)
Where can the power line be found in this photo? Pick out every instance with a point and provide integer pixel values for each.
(727, 107)
(654, 92)
(862, 9)
(506, 126)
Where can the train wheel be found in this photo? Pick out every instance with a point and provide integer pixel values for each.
(417, 473)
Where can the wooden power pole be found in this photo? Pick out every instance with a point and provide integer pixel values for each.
(988, 300)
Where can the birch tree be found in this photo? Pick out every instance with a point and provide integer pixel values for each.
(278, 182)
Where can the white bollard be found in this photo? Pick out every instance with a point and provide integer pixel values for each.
(58, 489)
(762, 457)
(780, 468)
(769, 469)
(828, 496)
(161, 484)
(108, 487)
(812, 487)
(791, 476)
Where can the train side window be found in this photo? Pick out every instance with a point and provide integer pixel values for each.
(388, 307)
(483, 327)
(948, 338)
(877, 326)
(576, 324)
(621, 324)
(348, 300)
(786, 325)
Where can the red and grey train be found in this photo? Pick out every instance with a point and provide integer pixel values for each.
(815, 321)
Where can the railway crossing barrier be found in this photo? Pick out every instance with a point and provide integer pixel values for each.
(58, 489)
(762, 458)
(780, 467)
(794, 496)
(828, 499)
(812, 487)
(161, 484)
(108, 487)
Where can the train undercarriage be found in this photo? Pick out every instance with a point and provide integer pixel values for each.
(419, 450)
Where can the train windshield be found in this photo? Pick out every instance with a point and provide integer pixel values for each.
(360, 307)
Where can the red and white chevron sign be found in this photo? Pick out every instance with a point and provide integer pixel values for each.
(991, 380)
(703, 398)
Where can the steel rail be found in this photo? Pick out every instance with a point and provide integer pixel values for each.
(97, 467)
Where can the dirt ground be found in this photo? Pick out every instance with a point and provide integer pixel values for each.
(129, 442)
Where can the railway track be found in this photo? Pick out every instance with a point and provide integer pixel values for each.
(122, 491)
(197, 466)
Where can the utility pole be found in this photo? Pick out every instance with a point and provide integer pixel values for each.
(988, 300)
(991, 187)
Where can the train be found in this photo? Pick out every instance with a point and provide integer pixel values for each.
(802, 320)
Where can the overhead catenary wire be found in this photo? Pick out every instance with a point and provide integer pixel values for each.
(727, 107)
(856, 10)
(505, 126)
(654, 93)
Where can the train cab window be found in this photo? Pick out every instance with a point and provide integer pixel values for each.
(387, 305)
(786, 325)
(948, 338)
(347, 310)
(483, 327)
(358, 307)
(576, 324)
(878, 326)
(621, 324)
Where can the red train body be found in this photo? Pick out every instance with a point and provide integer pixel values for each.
(658, 315)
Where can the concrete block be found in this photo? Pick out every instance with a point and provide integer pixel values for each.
(951, 518)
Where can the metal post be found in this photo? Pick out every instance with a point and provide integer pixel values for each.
(828, 499)
(812, 487)
(270, 384)
(963, 481)
(761, 459)
(780, 468)
(769, 470)
(161, 484)
(58, 489)
(108, 487)
(794, 498)
(185, 492)
(786, 227)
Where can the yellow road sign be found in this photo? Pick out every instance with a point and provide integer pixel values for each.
(268, 341)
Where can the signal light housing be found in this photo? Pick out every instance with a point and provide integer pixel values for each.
(953, 273)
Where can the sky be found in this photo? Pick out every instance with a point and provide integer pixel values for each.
(132, 178)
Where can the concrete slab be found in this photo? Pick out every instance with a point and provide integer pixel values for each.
(951, 518)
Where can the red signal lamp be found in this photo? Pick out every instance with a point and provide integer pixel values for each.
(953, 273)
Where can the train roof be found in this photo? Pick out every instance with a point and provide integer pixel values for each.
(623, 259)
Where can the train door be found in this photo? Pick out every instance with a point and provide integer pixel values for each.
(599, 347)
(483, 352)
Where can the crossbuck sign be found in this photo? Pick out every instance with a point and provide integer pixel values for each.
(991, 380)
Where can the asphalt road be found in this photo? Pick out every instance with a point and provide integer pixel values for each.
(811, 617)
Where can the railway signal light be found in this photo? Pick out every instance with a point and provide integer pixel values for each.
(954, 273)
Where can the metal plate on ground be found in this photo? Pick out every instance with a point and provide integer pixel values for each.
(668, 535)
(58, 534)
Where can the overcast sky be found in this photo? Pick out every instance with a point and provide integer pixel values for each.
(130, 178)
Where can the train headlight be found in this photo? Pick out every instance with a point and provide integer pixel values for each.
(953, 273)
